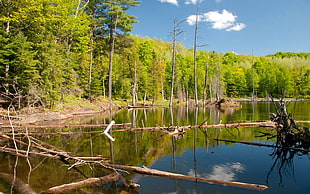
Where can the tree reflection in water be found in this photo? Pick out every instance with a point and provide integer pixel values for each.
(284, 161)
(285, 152)
(291, 140)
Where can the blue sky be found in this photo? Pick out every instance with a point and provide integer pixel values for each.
(240, 26)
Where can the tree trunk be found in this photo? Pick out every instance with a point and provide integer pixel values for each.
(144, 99)
(154, 172)
(90, 62)
(195, 64)
(18, 184)
(7, 31)
(112, 42)
(8, 15)
(205, 82)
(88, 182)
(173, 61)
(134, 85)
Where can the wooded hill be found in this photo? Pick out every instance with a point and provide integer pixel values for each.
(53, 49)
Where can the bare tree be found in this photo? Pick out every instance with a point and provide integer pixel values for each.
(195, 64)
(176, 32)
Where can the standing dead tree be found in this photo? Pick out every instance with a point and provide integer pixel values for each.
(176, 32)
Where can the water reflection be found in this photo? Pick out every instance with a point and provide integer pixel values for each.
(283, 160)
(224, 172)
(195, 154)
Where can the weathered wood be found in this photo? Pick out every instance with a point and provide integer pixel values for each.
(51, 152)
(302, 121)
(18, 184)
(269, 124)
(55, 133)
(63, 126)
(88, 182)
(154, 172)
(8, 117)
(230, 125)
(26, 154)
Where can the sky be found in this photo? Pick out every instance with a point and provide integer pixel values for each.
(260, 27)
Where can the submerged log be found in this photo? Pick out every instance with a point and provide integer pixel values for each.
(230, 125)
(63, 126)
(18, 184)
(269, 124)
(88, 182)
(154, 172)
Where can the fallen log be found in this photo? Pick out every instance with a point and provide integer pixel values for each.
(63, 126)
(229, 125)
(8, 117)
(54, 133)
(26, 154)
(51, 152)
(18, 184)
(268, 124)
(302, 121)
(265, 145)
(154, 172)
(88, 182)
(265, 124)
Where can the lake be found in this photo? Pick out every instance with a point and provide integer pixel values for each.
(195, 153)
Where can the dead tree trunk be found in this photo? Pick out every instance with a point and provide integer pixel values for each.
(88, 182)
(288, 132)
(18, 184)
(195, 64)
(154, 172)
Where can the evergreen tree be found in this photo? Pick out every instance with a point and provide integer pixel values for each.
(116, 22)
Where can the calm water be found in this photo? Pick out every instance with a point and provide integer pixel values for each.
(195, 154)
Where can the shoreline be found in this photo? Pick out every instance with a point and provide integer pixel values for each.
(38, 115)
(268, 99)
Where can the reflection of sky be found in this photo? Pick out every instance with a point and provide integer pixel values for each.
(224, 172)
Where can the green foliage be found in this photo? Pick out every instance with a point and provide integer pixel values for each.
(58, 48)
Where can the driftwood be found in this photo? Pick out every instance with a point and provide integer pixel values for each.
(267, 124)
(50, 152)
(289, 134)
(63, 126)
(126, 125)
(230, 125)
(18, 184)
(154, 172)
(8, 117)
(88, 182)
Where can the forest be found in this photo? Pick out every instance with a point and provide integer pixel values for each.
(59, 49)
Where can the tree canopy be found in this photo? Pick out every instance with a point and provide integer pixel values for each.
(53, 49)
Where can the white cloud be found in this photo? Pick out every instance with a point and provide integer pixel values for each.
(174, 2)
(191, 20)
(224, 172)
(193, 1)
(219, 21)
(218, 1)
(236, 27)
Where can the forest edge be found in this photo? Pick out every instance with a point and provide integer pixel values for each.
(39, 115)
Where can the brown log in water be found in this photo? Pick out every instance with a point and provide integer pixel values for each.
(154, 172)
(88, 182)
